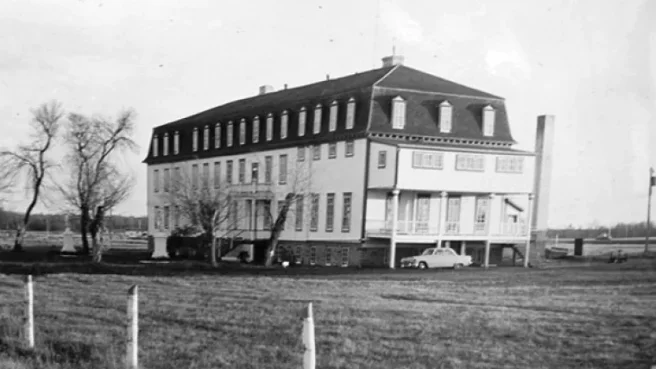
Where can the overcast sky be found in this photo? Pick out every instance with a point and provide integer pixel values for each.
(590, 63)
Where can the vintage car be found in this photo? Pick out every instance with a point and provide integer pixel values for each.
(437, 258)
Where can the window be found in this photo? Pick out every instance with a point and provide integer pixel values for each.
(313, 255)
(217, 174)
(427, 160)
(282, 167)
(301, 153)
(329, 256)
(314, 212)
(255, 173)
(332, 125)
(166, 217)
(349, 149)
(281, 204)
(345, 256)
(284, 122)
(398, 113)
(234, 211)
(242, 132)
(317, 120)
(332, 150)
(158, 222)
(382, 159)
(298, 255)
(242, 170)
(229, 135)
(482, 206)
(194, 140)
(194, 176)
(206, 175)
(302, 117)
(488, 121)
(177, 177)
(453, 209)
(167, 179)
(176, 216)
(229, 171)
(470, 162)
(330, 211)
(299, 213)
(263, 208)
(510, 164)
(176, 143)
(446, 113)
(256, 129)
(156, 180)
(316, 152)
(155, 146)
(217, 136)
(346, 212)
(269, 127)
(206, 138)
(268, 163)
(350, 113)
(166, 144)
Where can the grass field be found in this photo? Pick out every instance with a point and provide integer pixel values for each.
(598, 316)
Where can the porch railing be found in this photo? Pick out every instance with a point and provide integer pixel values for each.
(412, 227)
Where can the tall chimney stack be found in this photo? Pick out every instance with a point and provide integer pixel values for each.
(393, 60)
(265, 89)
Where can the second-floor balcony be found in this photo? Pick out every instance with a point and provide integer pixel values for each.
(382, 228)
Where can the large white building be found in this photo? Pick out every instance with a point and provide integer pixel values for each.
(390, 161)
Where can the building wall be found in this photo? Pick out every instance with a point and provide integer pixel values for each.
(451, 180)
(337, 175)
(382, 177)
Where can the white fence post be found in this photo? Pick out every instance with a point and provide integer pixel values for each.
(309, 358)
(132, 357)
(29, 311)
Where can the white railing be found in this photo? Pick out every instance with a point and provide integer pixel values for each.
(416, 227)
(412, 227)
(452, 228)
(513, 229)
(480, 227)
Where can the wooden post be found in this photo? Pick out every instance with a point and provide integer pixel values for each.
(29, 312)
(309, 358)
(132, 357)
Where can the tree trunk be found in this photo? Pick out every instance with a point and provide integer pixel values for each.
(273, 245)
(277, 229)
(213, 252)
(96, 236)
(20, 236)
(84, 227)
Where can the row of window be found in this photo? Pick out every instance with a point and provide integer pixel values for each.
(255, 138)
(315, 200)
(452, 209)
(445, 116)
(333, 255)
(469, 162)
(205, 177)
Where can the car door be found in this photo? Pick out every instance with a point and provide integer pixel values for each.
(449, 257)
(438, 258)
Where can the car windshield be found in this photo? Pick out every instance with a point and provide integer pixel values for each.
(427, 252)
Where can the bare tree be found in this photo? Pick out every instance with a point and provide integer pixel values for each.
(96, 183)
(31, 160)
(212, 207)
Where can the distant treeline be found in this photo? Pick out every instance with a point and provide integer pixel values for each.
(56, 223)
(621, 230)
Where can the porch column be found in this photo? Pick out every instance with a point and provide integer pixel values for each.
(443, 199)
(528, 228)
(463, 247)
(486, 263)
(488, 231)
(395, 215)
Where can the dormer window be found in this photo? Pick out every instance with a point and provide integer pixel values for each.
(332, 125)
(229, 135)
(194, 139)
(256, 129)
(269, 127)
(206, 138)
(488, 121)
(317, 120)
(302, 117)
(284, 121)
(242, 132)
(217, 136)
(176, 143)
(166, 144)
(350, 113)
(398, 113)
(446, 113)
(155, 146)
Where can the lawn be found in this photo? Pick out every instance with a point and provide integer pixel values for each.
(593, 316)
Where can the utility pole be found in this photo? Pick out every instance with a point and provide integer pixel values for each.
(652, 181)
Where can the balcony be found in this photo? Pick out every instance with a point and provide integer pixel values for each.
(431, 230)
(513, 229)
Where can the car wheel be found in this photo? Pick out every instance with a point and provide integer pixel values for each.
(423, 265)
(457, 266)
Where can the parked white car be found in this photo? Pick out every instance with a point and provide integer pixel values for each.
(437, 258)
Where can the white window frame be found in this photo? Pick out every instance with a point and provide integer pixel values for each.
(206, 138)
(156, 180)
(313, 255)
(242, 132)
(155, 146)
(427, 160)
(284, 124)
(398, 113)
(176, 143)
(166, 179)
(332, 150)
(330, 211)
(256, 129)
(510, 164)
(470, 162)
(334, 109)
(315, 198)
(350, 113)
(316, 124)
(165, 144)
(345, 256)
(216, 178)
(328, 256)
(349, 150)
(446, 117)
(347, 212)
(302, 121)
(217, 135)
(269, 127)
(489, 115)
(229, 134)
(194, 140)
(382, 159)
